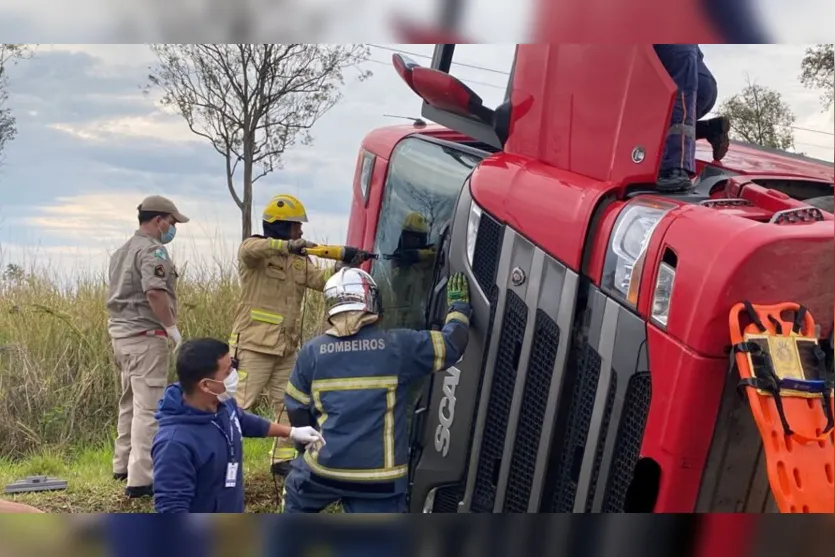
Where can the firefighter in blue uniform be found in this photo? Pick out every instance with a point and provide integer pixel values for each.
(353, 382)
(696, 95)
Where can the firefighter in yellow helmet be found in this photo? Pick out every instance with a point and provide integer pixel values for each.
(274, 275)
(411, 274)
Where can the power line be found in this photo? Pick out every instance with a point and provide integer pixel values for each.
(470, 81)
(714, 114)
(811, 130)
(473, 66)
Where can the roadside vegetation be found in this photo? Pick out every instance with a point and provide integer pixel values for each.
(59, 386)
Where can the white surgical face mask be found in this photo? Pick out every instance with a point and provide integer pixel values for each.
(231, 386)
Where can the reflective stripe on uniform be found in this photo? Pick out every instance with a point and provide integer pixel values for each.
(457, 316)
(276, 244)
(283, 454)
(440, 349)
(367, 475)
(352, 383)
(389, 383)
(266, 317)
(297, 394)
(388, 431)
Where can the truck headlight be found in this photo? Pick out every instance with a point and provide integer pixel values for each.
(662, 294)
(472, 230)
(627, 247)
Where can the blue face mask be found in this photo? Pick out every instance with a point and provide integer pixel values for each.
(168, 235)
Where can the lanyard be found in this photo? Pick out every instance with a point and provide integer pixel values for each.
(228, 438)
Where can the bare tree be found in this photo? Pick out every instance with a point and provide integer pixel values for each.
(818, 72)
(9, 53)
(253, 101)
(759, 115)
(428, 203)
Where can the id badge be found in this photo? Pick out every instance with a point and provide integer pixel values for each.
(231, 474)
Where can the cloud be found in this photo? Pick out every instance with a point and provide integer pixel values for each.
(77, 234)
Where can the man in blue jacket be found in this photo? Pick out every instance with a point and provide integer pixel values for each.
(198, 449)
(354, 382)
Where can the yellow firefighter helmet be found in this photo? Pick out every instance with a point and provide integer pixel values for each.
(284, 208)
(415, 222)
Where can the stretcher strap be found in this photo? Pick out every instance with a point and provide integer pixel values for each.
(767, 381)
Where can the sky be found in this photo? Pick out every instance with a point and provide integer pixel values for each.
(90, 146)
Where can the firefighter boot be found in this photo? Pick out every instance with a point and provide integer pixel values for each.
(715, 130)
(674, 180)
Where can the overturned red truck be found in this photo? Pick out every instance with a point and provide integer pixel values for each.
(597, 375)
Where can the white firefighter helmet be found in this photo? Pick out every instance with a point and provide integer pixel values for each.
(351, 289)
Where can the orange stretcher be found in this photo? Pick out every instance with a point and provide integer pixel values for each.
(783, 371)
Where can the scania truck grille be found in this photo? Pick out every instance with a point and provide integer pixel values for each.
(628, 443)
(488, 247)
(534, 401)
(601, 442)
(575, 413)
(498, 405)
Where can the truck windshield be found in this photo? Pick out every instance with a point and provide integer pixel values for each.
(422, 186)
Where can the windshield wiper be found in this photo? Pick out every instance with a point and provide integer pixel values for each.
(437, 265)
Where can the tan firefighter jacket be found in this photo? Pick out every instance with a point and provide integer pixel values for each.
(273, 282)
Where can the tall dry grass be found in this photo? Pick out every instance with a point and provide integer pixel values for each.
(58, 382)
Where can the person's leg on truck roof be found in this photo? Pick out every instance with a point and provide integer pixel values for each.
(715, 130)
(678, 162)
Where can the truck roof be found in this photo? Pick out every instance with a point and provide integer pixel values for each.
(747, 158)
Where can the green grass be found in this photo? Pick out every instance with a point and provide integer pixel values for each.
(91, 488)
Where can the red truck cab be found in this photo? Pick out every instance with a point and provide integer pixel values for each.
(597, 376)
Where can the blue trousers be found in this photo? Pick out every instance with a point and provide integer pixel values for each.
(304, 495)
(696, 96)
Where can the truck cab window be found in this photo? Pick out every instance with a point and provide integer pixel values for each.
(421, 190)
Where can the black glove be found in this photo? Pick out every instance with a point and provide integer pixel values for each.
(354, 256)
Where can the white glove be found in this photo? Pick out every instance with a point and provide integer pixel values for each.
(306, 435)
(174, 334)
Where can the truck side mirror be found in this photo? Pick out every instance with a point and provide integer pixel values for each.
(441, 90)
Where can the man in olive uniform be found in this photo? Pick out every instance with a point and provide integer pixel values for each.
(411, 275)
(274, 276)
(142, 305)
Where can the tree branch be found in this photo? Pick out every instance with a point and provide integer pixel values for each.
(252, 101)
(230, 172)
